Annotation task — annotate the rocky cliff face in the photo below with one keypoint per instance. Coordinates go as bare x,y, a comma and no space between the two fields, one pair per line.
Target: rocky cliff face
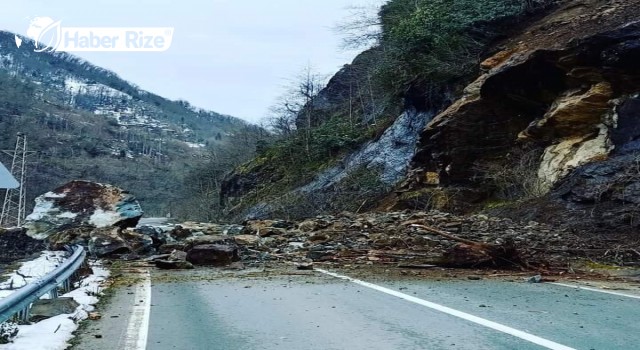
563,93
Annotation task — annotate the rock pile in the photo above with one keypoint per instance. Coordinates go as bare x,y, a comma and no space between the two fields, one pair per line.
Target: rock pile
385,238
393,238
406,239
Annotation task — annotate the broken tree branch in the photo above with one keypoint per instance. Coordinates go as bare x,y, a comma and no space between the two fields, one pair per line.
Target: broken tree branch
447,235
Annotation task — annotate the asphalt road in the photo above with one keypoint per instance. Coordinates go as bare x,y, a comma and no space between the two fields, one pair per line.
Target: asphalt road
324,312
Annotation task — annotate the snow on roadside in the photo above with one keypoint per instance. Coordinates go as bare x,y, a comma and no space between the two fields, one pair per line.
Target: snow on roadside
54,333
30,271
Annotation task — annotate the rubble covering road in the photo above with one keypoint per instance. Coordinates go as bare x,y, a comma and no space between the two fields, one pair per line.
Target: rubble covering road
396,239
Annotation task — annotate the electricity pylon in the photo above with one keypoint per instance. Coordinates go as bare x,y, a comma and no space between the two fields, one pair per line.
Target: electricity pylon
14,205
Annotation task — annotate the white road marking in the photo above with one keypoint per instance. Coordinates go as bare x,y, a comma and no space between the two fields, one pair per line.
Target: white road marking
138,327
453,312
575,286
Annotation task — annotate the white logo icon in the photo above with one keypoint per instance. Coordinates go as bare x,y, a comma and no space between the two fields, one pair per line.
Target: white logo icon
49,35
46,33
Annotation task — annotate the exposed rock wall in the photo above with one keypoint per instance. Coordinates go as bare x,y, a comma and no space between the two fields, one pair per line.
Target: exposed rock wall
390,153
387,157
566,86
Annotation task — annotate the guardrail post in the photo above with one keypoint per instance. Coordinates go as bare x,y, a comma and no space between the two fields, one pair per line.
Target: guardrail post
23,315
66,285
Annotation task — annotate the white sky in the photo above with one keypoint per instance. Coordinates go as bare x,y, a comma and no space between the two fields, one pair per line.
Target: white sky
230,56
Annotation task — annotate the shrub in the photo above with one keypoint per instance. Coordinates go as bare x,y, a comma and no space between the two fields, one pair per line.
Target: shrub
428,42
8,331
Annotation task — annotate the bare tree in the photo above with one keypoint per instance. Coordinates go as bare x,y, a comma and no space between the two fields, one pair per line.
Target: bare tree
295,110
308,88
361,28
282,117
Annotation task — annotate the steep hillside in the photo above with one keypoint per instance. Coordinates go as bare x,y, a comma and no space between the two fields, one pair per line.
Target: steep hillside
85,122
530,110
356,137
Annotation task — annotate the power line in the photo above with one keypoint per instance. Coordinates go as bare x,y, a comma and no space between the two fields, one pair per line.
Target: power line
14,205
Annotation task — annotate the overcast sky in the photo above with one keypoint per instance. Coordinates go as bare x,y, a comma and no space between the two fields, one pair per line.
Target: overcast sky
230,56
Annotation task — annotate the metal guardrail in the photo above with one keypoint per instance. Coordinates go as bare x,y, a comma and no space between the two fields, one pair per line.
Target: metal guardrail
19,302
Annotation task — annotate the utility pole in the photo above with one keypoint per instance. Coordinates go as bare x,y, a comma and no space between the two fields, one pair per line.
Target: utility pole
13,207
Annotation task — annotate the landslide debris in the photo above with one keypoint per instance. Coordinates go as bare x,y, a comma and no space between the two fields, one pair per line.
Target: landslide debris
404,239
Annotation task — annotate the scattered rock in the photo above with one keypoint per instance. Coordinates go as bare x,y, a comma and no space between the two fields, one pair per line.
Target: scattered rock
213,255
247,240
94,316
158,235
42,309
180,233
209,239
177,255
304,266
169,248
535,279
158,257
238,265
308,226
173,265
267,228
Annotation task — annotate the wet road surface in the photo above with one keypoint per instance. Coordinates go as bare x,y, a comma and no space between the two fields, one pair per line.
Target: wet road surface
322,312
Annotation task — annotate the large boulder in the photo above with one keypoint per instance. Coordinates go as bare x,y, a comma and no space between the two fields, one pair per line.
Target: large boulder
173,265
108,242
82,204
213,254
209,239
113,241
177,260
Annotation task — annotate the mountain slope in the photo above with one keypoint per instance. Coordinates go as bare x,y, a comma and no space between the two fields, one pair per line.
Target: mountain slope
85,122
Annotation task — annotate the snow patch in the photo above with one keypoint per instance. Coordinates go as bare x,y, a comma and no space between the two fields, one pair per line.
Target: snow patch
196,145
100,218
55,195
67,215
41,209
30,271
77,87
54,333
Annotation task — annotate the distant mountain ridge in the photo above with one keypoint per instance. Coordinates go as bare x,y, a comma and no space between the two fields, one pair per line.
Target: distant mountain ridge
86,122
81,84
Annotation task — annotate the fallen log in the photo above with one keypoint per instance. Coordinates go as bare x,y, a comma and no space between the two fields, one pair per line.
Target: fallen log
470,253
